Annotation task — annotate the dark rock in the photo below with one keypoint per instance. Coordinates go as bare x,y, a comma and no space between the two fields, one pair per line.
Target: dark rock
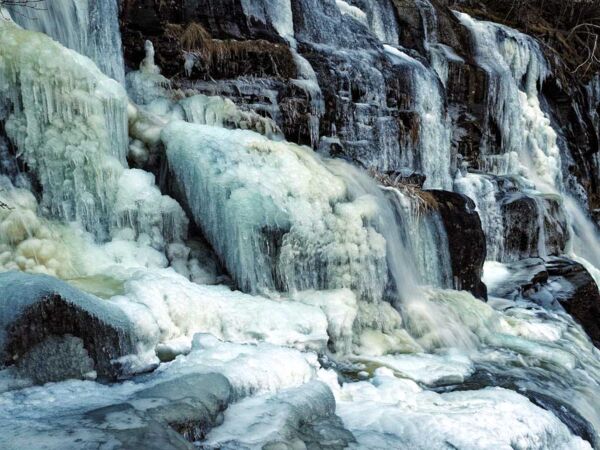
56,359
581,298
525,278
466,240
528,220
38,309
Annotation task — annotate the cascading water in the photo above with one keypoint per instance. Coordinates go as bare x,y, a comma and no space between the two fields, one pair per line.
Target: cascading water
431,153
347,333
424,237
529,147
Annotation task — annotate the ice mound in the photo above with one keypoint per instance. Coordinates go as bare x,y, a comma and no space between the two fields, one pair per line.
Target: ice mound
393,413
293,418
167,309
278,218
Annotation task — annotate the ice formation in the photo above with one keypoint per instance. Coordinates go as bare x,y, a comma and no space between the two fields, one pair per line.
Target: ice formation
393,413
518,67
89,27
168,310
431,154
424,236
70,123
277,216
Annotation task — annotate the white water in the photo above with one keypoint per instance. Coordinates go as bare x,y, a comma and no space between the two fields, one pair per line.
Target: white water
431,154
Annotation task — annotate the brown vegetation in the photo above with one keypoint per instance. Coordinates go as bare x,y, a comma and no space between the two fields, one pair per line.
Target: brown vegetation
232,55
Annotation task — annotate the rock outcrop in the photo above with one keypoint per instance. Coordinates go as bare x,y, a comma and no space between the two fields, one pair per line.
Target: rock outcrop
466,240
556,283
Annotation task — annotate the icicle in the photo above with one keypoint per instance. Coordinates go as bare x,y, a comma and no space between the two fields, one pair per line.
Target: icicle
90,27
70,123
431,155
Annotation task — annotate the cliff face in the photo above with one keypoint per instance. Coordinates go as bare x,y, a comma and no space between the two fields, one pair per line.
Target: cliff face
403,87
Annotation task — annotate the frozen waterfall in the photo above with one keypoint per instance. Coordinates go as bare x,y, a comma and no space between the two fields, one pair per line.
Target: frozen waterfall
176,272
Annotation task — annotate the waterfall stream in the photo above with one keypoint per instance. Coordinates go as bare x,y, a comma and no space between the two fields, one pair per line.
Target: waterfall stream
153,236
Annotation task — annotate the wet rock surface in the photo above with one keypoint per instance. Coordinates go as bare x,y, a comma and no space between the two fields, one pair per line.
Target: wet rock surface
582,300
533,227
466,240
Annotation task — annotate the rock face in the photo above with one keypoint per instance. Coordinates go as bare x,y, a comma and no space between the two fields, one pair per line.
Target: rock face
466,239
41,315
556,282
533,227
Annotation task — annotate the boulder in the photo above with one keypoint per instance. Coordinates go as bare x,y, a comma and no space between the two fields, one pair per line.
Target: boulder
169,415
191,404
555,283
581,297
296,418
41,315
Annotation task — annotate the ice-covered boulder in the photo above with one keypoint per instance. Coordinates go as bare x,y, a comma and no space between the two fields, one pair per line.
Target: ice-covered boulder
302,417
168,415
190,404
45,323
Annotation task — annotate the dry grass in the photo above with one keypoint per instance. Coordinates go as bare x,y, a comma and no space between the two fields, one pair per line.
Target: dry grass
426,200
216,54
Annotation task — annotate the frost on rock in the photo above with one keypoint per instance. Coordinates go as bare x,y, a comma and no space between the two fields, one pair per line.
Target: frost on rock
69,121
431,153
161,104
277,217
